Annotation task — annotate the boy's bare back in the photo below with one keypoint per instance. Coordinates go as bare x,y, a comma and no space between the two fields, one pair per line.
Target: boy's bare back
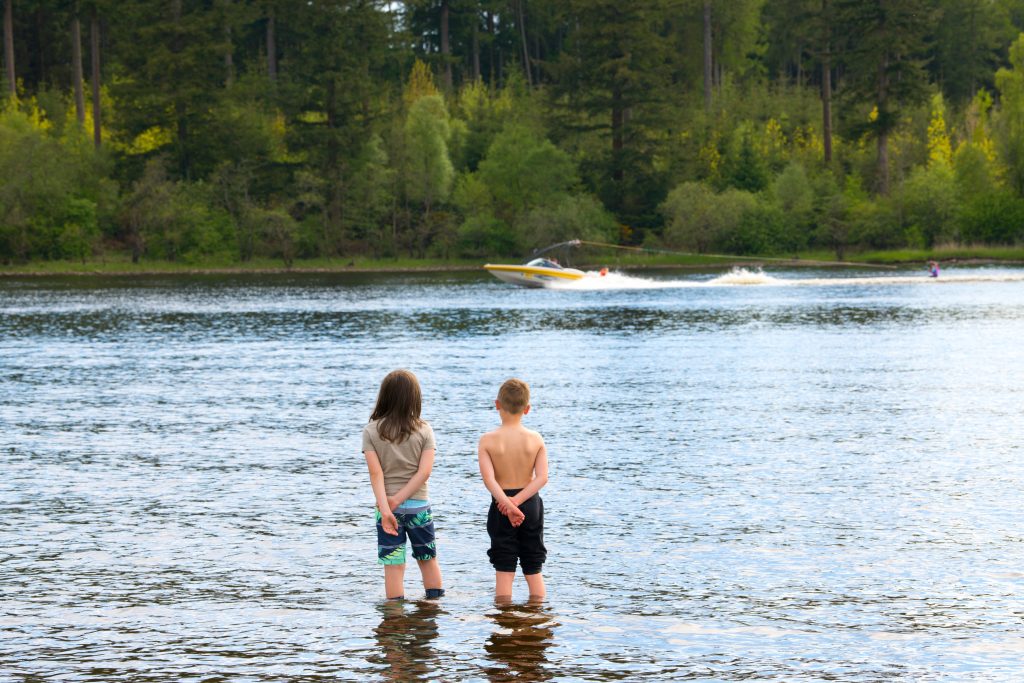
513,451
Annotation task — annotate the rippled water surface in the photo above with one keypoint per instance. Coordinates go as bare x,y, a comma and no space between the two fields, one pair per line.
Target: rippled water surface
807,475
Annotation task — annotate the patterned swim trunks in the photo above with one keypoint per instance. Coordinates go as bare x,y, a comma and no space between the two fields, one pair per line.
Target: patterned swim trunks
416,522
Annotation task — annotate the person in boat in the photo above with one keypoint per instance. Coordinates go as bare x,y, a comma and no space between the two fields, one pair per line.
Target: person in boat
933,268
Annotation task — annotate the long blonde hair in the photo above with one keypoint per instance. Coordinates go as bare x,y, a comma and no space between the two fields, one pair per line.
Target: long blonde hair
398,406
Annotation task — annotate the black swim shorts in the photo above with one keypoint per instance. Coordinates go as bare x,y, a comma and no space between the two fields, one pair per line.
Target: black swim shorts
524,543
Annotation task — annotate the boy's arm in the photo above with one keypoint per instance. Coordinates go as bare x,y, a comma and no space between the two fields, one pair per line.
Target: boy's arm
505,505
540,477
417,480
387,520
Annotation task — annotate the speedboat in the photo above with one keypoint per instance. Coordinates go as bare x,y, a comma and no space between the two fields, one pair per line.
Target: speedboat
540,272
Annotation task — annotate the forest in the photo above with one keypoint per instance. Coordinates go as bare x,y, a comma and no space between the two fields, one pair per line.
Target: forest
232,130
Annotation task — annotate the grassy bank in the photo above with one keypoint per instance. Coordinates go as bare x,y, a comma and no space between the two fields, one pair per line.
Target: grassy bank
122,265
118,266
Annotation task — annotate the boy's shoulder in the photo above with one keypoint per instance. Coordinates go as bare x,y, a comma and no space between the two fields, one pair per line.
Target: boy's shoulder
489,436
514,434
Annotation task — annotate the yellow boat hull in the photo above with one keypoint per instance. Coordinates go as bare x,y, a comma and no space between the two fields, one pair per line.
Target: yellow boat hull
533,276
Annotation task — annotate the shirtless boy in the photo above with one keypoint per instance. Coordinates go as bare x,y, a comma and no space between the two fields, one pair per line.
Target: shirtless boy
514,466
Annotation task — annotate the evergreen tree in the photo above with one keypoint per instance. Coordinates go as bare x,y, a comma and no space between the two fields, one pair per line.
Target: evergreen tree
884,56
613,78
970,43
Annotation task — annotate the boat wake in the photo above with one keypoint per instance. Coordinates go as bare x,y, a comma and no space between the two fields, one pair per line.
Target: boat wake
742,277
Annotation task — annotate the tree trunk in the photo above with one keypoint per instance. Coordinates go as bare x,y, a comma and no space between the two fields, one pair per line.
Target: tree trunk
536,57
707,55
882,132
526,50
229,58
973,32
76,69
94,55
490,47
617,136
12,84
181,122
271,45
476,47
446,47
826,81
332,218
826,104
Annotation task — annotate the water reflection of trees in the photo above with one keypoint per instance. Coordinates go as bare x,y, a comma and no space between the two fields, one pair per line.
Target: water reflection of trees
519,643
405,638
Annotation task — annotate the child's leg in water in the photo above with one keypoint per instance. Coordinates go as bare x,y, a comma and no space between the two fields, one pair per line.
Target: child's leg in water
503,584
536,584
394,581
432,582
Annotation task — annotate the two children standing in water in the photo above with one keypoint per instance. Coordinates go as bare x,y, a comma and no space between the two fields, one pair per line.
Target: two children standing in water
399,448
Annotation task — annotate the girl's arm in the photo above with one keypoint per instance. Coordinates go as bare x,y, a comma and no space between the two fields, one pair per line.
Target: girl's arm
540,477
387,520
417,480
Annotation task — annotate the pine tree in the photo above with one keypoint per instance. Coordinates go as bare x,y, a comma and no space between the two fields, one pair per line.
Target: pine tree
614,78
884,54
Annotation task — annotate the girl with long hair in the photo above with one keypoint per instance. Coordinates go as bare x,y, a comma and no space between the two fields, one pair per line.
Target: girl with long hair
399,448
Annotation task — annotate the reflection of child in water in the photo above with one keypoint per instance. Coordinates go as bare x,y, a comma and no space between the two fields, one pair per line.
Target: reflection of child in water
406,640
933,268
518,645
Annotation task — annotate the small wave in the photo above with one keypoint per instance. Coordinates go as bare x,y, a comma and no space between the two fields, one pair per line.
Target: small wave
612,280
742,277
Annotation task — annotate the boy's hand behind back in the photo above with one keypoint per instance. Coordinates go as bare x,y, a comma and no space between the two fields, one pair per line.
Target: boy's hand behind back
514,514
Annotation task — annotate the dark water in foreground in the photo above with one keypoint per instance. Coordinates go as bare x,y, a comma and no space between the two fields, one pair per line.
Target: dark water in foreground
813,476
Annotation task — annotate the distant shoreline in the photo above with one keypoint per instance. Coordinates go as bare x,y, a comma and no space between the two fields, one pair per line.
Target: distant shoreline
121,270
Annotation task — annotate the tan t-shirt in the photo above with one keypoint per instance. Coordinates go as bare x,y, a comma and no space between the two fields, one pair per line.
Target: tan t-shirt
399,460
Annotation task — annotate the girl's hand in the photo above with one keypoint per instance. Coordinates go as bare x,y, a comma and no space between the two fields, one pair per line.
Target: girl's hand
388,522
393,503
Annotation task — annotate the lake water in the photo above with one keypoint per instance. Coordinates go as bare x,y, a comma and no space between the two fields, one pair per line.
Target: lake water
799,475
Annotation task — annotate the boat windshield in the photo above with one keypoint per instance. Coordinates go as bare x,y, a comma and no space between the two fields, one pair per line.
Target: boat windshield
543,263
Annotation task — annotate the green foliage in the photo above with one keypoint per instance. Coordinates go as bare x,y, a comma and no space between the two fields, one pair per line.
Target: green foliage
762,229
50,192
970,38
559,120
832,212
79,230
1009,123
876,224
370,194
524,195
930,206
698,218
793,195
996,218
974,173
429,172
482,234
523,170
885,45
744,168
175,220
570,217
